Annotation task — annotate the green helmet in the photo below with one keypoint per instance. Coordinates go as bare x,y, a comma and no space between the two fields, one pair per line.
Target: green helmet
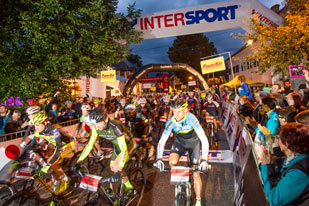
179,104
38,118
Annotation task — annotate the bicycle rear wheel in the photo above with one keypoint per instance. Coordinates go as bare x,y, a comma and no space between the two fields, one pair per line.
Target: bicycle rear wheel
23,198
138,180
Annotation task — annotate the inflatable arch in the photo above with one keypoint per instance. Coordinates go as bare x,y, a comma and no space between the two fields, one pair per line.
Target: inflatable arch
162,68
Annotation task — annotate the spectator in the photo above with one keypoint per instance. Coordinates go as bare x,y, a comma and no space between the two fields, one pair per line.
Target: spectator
14,123
306,95
4,116
287,87
78,106
245,108
276,88
258,113
244,90
294,99
292,186
303,117
286,115
264,134
66,112
53,114
49,104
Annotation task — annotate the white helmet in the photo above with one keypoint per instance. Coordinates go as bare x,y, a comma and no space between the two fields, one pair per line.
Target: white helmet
166,99
190,93
142,101
122,101
85,107
130,107
33,110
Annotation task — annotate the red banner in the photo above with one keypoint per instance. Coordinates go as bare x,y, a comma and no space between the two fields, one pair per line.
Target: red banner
166,83
149,79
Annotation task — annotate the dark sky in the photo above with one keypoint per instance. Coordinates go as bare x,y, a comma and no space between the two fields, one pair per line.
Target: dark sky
154,51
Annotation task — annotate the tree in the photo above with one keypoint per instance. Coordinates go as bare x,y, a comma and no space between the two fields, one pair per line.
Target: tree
44,43
135,59
287,44
189,49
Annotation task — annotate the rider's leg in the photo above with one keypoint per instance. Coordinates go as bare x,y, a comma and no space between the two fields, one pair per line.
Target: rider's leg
173,159
197,184
115,167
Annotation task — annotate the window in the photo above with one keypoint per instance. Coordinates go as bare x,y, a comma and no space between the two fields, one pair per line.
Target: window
237,68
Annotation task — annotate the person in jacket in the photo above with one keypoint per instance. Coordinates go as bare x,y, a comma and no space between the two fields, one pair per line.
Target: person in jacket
292,186
264,134
244,88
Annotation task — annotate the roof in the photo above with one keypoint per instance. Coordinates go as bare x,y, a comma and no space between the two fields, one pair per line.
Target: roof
125,66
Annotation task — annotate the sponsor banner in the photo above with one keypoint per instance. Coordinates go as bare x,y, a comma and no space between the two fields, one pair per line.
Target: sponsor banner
204,18
212,65
214,156
147,86
192,83
108,76
153,89
87,84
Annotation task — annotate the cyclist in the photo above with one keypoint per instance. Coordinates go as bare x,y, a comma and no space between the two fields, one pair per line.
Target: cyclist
51,147
139,126
189,133
119,114
164,114
112,131
212,109
192,100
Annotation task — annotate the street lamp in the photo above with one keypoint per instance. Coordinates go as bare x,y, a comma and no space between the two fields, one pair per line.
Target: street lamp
190,77
249,42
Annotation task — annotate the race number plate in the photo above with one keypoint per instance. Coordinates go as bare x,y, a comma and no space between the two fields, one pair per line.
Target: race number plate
163,119
210,119
24,173
90,182
123,120
180,174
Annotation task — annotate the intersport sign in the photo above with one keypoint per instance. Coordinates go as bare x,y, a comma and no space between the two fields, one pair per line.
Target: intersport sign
204,18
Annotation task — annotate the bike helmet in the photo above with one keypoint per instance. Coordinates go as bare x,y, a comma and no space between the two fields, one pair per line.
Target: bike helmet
166,99
33,110
122,101
130,110
96,116
203,95
190,93
179,104
96,101
142,101
38,118
86,107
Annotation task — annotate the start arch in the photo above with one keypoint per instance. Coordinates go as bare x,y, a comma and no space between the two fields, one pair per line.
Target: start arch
162,68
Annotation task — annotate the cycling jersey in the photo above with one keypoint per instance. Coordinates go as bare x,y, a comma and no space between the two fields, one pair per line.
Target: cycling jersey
138,125
53,137
211,108
191,101
114,133
146,111
184,130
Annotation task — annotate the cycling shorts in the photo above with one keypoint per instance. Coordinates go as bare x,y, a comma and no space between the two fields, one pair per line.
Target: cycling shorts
191,145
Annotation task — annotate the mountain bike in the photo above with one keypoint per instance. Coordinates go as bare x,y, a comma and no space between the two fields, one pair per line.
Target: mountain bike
210,131
184,185
106,196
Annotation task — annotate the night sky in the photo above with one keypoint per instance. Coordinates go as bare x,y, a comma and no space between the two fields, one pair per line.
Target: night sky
154,51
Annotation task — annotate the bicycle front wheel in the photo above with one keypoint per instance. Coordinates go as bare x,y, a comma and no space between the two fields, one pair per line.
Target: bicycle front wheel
138,180
23,198
181,199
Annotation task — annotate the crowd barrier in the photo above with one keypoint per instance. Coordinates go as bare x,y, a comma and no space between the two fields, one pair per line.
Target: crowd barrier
15,135
248,188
